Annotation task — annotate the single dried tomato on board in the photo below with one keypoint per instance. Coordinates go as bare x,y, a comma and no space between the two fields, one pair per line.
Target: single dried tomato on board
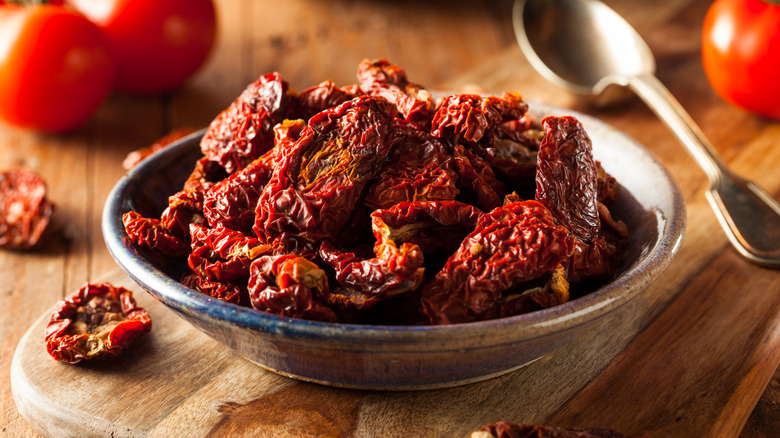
98,321
24,210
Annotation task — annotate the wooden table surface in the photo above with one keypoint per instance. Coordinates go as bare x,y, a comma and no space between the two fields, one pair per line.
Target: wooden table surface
442,43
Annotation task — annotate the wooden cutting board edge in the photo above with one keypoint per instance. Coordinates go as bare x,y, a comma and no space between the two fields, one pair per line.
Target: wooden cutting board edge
34,406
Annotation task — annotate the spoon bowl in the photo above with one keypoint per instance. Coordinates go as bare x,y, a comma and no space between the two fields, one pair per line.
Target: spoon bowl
572,45
586,47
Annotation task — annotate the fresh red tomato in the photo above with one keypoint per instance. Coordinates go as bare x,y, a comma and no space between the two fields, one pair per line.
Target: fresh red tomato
158,43
55,67
741,53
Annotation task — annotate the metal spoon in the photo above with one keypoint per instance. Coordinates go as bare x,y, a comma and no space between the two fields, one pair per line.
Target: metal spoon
586,47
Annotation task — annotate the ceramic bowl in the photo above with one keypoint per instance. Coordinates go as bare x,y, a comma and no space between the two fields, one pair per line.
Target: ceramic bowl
406,357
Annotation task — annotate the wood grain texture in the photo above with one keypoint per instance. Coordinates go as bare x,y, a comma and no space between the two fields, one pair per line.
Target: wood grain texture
448,44
177,381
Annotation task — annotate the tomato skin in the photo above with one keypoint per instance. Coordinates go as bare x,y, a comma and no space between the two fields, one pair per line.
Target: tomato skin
55,68
158,44
741,54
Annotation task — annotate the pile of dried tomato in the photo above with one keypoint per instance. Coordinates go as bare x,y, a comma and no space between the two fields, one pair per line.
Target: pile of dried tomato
374,203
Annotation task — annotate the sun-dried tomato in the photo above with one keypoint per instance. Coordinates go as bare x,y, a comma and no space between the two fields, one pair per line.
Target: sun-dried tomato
184,208
419,169
25,211
135,157
552,290
566,178
321,97
477,181
381,78
511,245
225,291
290,285
503,429
244,131
598,259
221,254
403,233
318,180
231,202
607,185
150,233
469,116
98,321
435,226
205,174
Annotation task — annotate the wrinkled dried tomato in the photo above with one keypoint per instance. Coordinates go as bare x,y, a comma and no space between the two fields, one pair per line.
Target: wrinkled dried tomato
511,245
205,174
150,233
607,185
321,97
381,78
566,178
477,181
221,254
184,208
25,211
419,169
317,182
231,202
503,429
98,321
435,226
225,291
244,131
289,285
470,117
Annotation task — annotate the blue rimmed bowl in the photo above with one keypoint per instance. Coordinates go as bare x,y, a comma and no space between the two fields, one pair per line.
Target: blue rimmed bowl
406,357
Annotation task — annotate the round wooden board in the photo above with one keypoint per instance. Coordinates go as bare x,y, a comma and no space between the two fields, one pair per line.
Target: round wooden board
176,381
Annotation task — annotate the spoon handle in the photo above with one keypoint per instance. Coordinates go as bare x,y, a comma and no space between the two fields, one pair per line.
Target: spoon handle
749,215
669,110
